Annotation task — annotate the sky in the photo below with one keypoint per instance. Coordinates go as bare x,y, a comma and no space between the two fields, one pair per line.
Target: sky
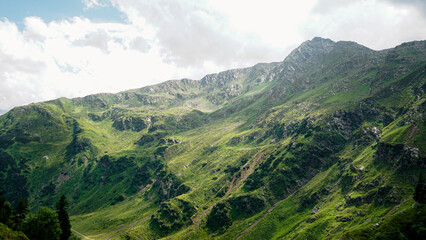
72,48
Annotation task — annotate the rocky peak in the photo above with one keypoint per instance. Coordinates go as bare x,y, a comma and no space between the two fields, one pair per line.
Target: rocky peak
316,46
300,59
221,79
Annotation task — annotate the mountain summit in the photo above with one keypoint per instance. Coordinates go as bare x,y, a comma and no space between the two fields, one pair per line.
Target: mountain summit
328,143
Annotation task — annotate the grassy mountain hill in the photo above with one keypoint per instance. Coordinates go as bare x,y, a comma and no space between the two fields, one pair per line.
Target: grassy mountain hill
329,143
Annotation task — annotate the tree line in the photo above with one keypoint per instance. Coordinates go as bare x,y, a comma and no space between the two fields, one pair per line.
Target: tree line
45,224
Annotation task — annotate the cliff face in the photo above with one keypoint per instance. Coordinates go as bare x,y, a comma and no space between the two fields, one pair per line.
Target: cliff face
330,138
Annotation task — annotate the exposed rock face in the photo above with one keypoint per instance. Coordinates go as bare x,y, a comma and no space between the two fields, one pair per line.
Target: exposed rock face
345,122
167,186
399,155
129,123
366,135
232,144
295,65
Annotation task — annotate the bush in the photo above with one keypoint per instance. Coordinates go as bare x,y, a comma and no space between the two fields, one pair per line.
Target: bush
243,206
7,233
44,225
219,218
172,215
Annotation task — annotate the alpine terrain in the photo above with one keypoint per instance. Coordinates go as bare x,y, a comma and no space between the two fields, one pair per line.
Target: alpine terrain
328,144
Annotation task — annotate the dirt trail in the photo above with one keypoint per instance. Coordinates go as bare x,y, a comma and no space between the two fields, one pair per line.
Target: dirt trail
233,185
130,226
261,218
85,237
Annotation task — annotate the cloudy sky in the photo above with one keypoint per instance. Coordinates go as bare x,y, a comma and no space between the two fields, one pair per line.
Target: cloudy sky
70,48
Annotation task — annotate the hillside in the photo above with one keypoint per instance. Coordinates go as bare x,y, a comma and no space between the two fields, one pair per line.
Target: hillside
329,143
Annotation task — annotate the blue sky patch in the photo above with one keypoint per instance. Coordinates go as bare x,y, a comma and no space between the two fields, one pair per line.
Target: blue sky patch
54,10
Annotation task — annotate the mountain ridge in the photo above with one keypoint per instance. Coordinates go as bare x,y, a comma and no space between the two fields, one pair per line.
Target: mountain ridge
293,56
330,138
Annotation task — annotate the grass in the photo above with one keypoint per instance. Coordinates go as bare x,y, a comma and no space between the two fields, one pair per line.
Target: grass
114,219
212,138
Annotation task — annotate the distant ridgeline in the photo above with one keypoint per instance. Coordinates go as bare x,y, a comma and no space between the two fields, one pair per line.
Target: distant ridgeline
329,143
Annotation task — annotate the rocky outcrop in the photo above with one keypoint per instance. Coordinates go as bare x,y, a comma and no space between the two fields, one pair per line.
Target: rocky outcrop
398,155
130,123
345,122
167,186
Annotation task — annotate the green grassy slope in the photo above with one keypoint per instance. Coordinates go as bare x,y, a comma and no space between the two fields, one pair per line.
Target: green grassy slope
328,143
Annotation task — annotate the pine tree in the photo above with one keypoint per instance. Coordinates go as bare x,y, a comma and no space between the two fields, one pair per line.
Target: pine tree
420,193
64,221
20,213
5,210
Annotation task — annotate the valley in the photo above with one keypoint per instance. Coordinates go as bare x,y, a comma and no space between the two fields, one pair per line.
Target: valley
327,144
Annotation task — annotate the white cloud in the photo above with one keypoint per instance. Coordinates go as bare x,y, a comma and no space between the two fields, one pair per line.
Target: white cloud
276,22
169,39
419,5
74,58
378,24
94,3
190,33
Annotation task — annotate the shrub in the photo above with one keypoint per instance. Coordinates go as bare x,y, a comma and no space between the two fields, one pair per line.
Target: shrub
219,218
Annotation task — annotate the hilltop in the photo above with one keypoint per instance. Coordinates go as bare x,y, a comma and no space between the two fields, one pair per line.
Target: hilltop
328,143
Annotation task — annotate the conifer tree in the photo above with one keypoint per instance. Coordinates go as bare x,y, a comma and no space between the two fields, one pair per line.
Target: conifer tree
420,193
64,221
5,210
20,213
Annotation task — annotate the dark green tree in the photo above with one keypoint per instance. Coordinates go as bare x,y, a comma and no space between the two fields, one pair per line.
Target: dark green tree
20,213
219,218
44,225
420,193
64,220
5,210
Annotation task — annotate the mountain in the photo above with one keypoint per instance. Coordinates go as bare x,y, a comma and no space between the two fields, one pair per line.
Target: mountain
329,143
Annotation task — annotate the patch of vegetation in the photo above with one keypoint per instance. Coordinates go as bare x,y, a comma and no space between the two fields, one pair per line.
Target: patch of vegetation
172,215
219,219
44,224
328,145
409,224
245,205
